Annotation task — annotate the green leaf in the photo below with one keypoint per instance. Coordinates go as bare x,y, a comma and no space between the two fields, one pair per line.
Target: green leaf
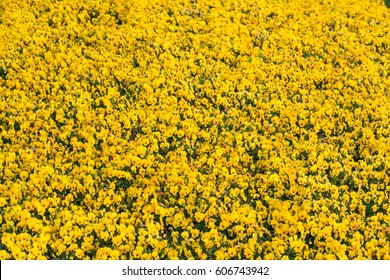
387,3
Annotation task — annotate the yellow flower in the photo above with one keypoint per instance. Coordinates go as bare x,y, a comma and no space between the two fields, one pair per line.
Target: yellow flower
173,255
4,255
248,252
199,216
269,256
221,254
3,201
274,178
141,150
232,252
79,254
23,175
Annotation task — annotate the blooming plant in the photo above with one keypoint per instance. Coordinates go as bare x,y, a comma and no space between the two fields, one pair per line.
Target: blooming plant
183,129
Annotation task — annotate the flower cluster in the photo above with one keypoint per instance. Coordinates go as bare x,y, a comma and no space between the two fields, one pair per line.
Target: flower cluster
183,129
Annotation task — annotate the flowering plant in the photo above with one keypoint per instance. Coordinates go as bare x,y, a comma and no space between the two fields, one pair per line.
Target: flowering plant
194,129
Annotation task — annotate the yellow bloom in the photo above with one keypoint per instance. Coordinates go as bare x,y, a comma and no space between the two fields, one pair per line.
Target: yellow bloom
141,150
3,201
199,216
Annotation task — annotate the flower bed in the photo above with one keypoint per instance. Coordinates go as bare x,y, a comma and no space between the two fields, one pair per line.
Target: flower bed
194,129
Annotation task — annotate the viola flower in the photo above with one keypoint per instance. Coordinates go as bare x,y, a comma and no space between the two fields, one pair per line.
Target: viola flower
195,131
